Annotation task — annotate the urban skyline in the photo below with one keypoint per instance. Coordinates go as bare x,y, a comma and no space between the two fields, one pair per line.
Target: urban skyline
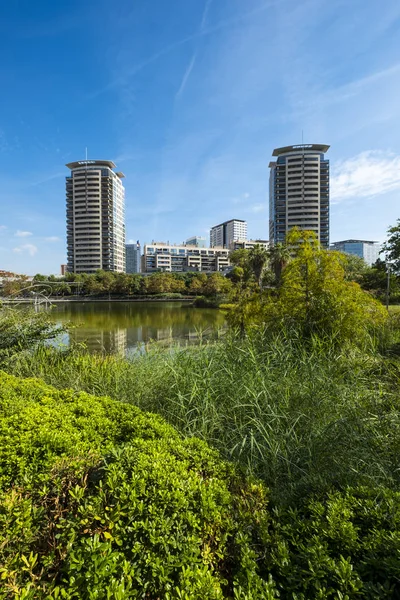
189,100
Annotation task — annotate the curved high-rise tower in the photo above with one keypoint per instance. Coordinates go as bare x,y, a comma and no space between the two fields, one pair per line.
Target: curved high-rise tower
95,217
299,191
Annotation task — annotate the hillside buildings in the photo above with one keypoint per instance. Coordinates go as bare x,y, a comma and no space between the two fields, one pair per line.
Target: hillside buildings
95,217
299,191
133,258
368,250
226,233
160,256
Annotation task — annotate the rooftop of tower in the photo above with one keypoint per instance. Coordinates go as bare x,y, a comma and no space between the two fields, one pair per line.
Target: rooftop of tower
301,147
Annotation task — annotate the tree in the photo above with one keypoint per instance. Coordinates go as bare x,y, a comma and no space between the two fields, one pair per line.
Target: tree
391,247
198,283
279,256
314,297
355,267
217,284
258,258
240,258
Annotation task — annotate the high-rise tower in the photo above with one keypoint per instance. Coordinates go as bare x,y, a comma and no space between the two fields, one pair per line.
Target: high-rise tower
299,192
95,217
224,234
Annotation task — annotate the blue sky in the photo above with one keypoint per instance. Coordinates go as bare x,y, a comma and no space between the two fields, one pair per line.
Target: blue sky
189,98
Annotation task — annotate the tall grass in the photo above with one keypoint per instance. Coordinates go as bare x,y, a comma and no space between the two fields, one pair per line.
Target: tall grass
304,418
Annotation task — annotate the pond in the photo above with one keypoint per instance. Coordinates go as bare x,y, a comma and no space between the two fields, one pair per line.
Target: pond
123,327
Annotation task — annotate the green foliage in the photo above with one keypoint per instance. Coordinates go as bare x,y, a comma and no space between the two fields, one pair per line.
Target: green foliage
106,283
391,247
258,259
303,417
109,502
354,267
23,329
99,500
314,297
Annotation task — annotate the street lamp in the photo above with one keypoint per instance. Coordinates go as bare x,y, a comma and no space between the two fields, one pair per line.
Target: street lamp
388,265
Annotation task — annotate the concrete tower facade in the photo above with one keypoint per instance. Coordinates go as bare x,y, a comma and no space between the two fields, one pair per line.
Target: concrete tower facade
299,192
95,217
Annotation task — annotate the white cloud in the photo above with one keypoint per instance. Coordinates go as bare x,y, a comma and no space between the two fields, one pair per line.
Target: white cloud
52,238
370,173
256,208
2,227
30,248
23,233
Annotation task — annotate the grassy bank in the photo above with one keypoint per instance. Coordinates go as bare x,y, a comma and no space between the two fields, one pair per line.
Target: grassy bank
302,417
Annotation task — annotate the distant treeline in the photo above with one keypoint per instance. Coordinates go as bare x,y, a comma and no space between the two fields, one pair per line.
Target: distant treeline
104,283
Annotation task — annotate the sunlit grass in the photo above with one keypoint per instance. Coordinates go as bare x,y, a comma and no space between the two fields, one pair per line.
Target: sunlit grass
301,417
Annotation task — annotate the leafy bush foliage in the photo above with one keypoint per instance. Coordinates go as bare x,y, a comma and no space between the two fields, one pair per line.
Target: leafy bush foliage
313,296
99,500
23,329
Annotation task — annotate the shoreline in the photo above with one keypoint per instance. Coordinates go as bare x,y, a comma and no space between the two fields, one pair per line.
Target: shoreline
87,299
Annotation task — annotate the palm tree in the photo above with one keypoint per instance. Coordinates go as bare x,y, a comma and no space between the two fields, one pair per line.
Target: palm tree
258,258
280,256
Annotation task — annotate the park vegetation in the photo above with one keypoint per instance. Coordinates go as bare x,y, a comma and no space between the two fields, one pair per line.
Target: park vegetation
261,466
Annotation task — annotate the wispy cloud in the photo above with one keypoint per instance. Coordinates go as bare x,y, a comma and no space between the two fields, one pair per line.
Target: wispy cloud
52,238
2,227
20,233
48,178
31,249
205,14
202,32
186,76
370,173
256,208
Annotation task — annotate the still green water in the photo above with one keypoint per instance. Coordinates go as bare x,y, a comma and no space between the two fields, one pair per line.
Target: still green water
123,327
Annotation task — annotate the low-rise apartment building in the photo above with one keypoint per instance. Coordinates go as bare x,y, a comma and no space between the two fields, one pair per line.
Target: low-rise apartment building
160,256
248,244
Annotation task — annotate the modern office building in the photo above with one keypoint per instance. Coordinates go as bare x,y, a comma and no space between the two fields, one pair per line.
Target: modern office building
196,240
299,191
224,234
248,244
368,250
95,217
133,259
160,256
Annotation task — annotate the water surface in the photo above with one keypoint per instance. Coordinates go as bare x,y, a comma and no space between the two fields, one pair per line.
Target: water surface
123,327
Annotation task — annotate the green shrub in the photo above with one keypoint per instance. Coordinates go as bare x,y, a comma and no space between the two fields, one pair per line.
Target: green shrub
99,500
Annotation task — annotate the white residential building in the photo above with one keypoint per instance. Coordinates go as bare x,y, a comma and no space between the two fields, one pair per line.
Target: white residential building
248,244
224,234
95,217
299,192
160,256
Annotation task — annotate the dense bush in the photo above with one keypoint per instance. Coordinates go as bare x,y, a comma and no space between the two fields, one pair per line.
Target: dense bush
99,500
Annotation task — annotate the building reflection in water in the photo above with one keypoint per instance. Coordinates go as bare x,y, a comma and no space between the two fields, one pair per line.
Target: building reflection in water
100,341
127,327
